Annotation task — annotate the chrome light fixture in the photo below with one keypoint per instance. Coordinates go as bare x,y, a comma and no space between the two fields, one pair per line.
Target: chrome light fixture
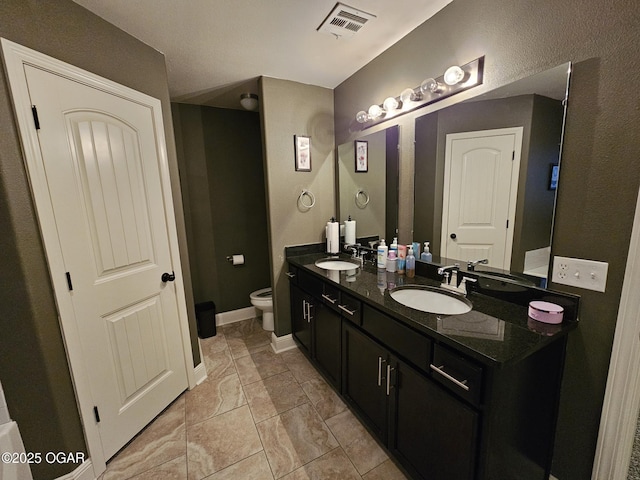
455,80
249,101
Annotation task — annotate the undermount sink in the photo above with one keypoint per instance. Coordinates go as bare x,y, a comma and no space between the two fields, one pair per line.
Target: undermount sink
431,300
337,264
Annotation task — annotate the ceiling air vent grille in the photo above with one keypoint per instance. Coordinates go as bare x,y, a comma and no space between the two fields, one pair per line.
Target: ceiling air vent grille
345,21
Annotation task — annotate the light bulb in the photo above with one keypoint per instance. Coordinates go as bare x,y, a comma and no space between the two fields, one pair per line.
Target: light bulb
362,116
249,101
409,95
429,86
453,75
390,104
375,111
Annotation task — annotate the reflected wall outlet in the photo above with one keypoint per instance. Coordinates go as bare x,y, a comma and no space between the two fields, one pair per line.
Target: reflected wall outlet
580,273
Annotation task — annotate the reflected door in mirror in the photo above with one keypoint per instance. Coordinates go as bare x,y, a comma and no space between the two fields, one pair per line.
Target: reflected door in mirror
480,190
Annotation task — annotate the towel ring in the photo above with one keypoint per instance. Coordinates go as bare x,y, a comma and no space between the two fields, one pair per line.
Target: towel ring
309,194
364,195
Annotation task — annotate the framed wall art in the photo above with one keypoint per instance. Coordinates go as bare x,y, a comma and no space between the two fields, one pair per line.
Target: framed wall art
303,153
362,155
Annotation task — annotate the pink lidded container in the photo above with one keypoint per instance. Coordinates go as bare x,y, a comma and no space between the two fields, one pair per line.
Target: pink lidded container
545,312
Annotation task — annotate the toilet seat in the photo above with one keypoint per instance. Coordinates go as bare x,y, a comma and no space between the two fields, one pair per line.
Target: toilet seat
265,292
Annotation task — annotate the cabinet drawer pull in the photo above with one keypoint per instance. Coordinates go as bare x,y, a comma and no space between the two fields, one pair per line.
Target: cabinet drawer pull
290,275
389,370
380,377
329,299
309,317
346,310
462,384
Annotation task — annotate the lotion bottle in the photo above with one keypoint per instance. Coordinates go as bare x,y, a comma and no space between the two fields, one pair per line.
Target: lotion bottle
426,255
382,254
392,261
410,266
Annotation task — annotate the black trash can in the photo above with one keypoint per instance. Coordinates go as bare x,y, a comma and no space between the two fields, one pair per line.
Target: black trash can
206,318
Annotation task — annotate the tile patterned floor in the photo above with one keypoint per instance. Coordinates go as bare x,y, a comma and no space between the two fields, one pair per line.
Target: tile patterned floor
258,416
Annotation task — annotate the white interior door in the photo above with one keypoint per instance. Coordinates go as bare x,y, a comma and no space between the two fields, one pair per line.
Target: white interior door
103,175
479,197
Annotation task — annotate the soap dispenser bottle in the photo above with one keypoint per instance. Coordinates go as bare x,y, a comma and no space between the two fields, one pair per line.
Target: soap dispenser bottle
394,246
426,255
382,254
410,266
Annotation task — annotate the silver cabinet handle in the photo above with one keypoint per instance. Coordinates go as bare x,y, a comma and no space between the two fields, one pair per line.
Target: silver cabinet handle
309,317
290,275
461,383
380,362
346,310
389,370
329,299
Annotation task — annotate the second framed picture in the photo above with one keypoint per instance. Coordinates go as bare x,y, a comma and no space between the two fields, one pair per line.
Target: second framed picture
303,153
362,155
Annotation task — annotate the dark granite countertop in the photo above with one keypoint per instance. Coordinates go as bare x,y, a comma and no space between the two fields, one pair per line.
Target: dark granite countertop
495,332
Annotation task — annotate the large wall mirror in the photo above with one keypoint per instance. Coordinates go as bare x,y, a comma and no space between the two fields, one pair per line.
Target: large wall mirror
486,175
368,183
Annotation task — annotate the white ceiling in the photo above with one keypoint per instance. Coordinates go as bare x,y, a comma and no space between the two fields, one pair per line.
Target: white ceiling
216,49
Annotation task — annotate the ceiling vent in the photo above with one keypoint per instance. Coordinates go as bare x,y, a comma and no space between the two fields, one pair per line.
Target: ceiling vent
345,21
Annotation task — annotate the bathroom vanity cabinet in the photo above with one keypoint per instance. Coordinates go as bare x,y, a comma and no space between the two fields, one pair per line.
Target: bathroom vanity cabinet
465,397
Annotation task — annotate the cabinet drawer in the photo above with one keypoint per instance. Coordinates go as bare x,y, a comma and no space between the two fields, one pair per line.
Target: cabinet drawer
350,308
458,373
310,284
403,340
331,296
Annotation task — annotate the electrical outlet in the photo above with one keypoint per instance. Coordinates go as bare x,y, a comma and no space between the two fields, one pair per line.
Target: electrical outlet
580,273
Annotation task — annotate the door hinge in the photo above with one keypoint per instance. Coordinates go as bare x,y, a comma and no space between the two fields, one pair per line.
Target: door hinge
69,284
507,223
96,414
513,155
36,121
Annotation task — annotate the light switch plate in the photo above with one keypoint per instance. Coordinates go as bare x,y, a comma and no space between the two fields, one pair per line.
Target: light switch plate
580,273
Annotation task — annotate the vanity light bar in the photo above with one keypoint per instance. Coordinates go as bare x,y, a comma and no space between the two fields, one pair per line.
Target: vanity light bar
455,80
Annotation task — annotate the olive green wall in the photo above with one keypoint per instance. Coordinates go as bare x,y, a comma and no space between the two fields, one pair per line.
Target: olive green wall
33,365
288,109
599,177
221,166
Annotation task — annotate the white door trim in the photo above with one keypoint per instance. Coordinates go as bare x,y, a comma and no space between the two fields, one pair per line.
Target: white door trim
622,395
15,57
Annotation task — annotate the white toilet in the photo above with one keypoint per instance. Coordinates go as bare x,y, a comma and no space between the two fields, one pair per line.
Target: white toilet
262,300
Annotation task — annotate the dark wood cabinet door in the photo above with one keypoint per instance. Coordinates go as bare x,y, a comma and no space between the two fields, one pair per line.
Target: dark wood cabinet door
301,310
327,334
432,433
364,378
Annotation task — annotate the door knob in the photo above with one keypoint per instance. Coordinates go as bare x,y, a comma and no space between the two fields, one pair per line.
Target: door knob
453,236
168,277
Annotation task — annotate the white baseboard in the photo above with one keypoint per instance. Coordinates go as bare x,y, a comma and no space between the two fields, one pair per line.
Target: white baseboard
283,343
234,316
83,472
200,373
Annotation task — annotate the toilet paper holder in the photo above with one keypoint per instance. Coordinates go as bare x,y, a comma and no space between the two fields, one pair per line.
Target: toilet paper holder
235,259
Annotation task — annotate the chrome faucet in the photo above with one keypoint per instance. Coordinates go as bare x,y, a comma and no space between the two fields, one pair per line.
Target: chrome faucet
472,264
446,280
452,283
